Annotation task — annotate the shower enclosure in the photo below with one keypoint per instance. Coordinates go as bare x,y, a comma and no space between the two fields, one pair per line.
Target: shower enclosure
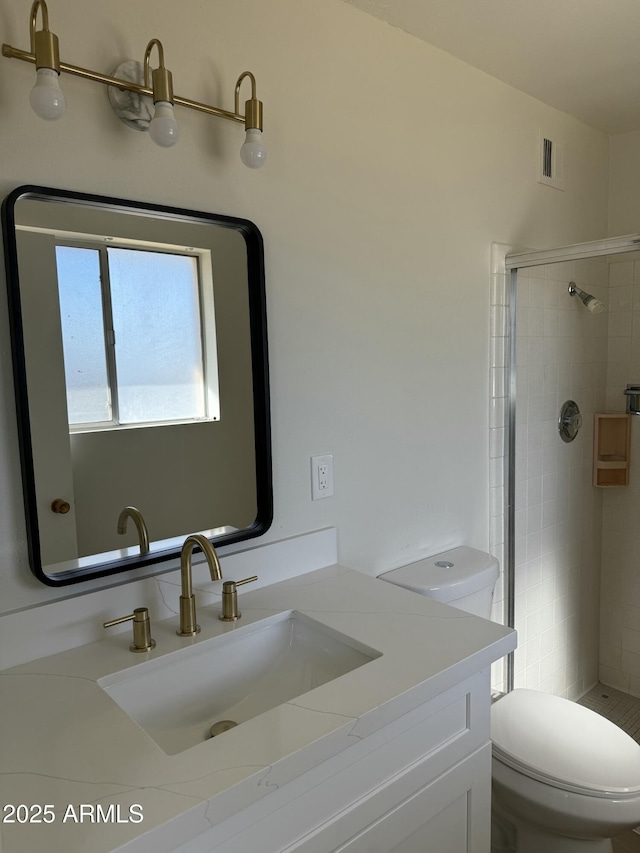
567,548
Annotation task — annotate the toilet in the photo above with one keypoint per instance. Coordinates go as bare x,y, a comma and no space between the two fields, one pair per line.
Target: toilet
565,779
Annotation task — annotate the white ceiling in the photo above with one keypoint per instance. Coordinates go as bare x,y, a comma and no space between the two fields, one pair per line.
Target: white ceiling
581,56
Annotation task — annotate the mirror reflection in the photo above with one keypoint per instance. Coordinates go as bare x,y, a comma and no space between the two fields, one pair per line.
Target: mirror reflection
139,339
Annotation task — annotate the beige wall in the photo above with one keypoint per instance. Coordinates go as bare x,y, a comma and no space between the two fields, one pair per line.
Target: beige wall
392,167
624,184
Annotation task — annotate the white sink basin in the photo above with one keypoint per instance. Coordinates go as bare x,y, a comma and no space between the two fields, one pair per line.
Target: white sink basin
177,698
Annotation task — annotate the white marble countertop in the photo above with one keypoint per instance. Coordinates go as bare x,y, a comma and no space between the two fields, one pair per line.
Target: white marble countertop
64,742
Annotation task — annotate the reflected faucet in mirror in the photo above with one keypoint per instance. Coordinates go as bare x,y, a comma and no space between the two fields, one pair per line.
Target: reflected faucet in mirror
136,516
188,625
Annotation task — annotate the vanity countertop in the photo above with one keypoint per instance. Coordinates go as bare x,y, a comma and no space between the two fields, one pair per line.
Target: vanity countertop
64,743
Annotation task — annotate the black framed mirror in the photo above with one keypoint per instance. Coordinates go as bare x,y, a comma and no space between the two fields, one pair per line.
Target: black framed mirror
140,358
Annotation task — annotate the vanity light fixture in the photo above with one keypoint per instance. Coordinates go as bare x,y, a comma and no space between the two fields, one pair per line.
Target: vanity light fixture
163,128
48,101
46,98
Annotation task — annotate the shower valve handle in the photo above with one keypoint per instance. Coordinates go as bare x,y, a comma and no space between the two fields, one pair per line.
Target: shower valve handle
570,421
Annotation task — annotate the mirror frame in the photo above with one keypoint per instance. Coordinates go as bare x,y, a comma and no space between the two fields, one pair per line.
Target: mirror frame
259,362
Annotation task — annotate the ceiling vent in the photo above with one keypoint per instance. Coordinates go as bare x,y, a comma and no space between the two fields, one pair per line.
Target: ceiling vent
550,162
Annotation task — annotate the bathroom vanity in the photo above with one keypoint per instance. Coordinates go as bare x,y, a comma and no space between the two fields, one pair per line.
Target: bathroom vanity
391,755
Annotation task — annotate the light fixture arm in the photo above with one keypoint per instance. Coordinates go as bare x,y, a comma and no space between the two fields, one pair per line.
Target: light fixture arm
162,80
44,43
38,4
253,107
44,46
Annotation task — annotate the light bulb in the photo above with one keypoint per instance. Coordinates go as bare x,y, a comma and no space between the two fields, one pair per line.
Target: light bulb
46,98
253,153
164,129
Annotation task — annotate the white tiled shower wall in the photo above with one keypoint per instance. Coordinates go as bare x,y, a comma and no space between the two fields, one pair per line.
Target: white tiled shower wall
620,592
561,353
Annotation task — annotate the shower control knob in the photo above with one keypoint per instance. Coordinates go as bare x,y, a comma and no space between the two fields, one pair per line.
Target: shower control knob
570,421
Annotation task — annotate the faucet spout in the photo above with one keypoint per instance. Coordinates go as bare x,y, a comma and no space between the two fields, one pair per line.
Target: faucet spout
141,527
188,624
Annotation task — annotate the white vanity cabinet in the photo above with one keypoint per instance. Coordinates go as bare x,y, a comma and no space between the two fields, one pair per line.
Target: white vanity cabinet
448,815
421,783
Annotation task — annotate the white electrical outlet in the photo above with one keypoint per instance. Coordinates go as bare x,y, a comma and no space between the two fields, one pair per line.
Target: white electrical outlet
321,477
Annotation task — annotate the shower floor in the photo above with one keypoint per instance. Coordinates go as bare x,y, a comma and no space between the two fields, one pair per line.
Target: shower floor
624,711
620,708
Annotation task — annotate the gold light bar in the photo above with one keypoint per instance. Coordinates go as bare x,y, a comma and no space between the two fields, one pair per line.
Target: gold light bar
45,53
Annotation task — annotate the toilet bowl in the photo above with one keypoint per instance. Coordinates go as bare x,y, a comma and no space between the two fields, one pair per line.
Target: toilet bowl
565,779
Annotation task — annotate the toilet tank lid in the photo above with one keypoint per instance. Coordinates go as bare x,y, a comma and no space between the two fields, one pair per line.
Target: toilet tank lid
564,744
472,570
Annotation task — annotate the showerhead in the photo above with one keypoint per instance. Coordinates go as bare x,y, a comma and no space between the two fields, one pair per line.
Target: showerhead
594,305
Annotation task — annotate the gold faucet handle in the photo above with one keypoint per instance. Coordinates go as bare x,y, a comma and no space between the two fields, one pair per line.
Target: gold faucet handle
246,580
142,641
230,610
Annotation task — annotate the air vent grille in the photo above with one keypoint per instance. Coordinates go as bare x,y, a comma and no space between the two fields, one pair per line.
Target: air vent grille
547,146
550,162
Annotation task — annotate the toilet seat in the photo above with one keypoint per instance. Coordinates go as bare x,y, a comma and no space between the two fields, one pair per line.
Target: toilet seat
565,745
562,784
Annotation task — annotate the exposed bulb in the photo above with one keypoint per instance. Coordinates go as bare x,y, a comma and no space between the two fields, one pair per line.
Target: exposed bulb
164,129
253,153
46,98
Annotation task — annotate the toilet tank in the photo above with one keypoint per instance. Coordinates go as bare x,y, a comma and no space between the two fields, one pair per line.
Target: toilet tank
462,577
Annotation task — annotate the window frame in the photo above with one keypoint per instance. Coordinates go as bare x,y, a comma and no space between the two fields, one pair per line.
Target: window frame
207,328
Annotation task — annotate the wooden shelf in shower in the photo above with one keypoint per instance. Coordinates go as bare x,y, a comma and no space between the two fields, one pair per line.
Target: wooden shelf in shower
611,445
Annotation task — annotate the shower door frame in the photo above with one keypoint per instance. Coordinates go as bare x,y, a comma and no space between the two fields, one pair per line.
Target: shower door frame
514,261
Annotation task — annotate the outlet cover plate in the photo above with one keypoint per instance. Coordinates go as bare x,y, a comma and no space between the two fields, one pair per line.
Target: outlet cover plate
321,476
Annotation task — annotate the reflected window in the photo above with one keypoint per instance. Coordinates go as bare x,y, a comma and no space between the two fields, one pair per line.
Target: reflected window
136,348
81,316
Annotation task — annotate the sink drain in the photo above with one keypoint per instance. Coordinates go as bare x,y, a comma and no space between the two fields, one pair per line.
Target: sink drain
221,726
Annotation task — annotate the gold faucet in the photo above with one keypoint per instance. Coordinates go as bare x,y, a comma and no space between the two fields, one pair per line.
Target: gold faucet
188,625
141,527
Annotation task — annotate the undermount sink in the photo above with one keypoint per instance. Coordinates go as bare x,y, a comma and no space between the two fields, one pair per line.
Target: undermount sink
231,678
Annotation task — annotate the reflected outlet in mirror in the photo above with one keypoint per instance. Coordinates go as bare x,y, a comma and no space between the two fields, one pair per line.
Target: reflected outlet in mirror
177,699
